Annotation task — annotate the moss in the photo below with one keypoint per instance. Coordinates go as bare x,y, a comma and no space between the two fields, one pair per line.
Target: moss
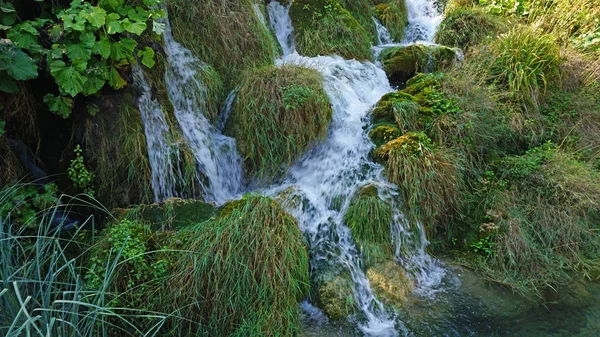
336,297
369,219
277,115
465,27
394,16
252,256
402,63
324,27
363,12
236,39
383,133
383,111
390,283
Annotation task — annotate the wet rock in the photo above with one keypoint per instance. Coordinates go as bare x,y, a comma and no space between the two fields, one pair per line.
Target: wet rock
336,297
390,283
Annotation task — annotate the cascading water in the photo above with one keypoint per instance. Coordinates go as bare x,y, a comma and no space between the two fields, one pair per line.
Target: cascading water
337,168
424,18
157,134
216,155
383,35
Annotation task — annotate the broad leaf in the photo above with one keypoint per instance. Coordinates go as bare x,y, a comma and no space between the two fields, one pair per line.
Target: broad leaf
147,56
115,80
123,49
102,47
8,14
113,25
7,84
87,39
78,52
97,17
69,80
158,28
21,67
60,105
135,27
93,85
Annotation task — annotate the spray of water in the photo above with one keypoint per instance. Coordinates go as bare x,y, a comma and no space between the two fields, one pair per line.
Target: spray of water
424,18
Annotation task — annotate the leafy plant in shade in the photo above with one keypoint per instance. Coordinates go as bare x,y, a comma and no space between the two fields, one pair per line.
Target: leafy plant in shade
83,47
78,173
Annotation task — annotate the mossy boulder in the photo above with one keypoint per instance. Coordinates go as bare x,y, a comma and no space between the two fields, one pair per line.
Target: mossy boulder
246,274
402,63
336,297
363,11
324,27
466,27
394,16
278,114
383,133
384,110
390,283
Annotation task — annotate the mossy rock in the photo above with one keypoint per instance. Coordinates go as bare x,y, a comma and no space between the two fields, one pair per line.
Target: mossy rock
411,142
172,214
466,27
402,63
336,297
394,16
324,27
390,283
278,114
383,111
383,133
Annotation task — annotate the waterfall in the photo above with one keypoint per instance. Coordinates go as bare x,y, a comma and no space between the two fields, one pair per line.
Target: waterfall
424,18
157,134
226,111
383,35
216,155
336,169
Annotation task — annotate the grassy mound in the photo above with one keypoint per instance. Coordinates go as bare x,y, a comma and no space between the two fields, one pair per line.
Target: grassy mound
324,27
277,115
369,219
402,63
248,270
525,61
465,27
225,34
394,16
363,12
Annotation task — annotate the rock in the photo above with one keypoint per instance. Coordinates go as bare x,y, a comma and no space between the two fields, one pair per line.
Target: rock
172,214
336,297
390,282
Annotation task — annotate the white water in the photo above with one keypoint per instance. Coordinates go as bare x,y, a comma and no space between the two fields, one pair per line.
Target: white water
157,134
226,111
216,155
383,35
424,18
336,169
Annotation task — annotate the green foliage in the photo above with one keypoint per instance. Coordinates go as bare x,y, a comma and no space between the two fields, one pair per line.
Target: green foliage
484,246
79,174
277,115
25,204
251,256
525,61
394,16
83,48
402,63
324,27
466,27
510,7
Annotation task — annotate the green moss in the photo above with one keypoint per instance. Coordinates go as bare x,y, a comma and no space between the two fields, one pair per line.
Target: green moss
402,63
383,133
394,16
277,115
336,297
223,33
383,111
324,27
363,12
465,27
369,219
252,256
390,283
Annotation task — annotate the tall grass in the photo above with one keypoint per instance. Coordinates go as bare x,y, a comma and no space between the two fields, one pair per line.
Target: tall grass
42,291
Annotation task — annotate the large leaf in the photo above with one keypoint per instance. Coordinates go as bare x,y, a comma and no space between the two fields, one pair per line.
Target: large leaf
61,106
21,66
93,85
78,52
102,47
96,17
88,39
113,25
135,27
8,14
147,56
115,80
69,80
7,84
123,49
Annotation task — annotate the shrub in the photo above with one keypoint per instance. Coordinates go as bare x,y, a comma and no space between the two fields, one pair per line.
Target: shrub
465,27
252,256
394,16
25,204
277,115
525,61
324,27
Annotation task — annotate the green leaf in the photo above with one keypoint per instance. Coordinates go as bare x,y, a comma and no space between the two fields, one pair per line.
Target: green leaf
123,49
97,17
158,28
60,105
135,27
7,83
78,52
93,85
115,80
69,80
102,47
23,39
147,56
88,39
21,66
92,109
113,25
8,14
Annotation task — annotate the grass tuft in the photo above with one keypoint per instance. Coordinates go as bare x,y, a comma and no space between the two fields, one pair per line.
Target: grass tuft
394,16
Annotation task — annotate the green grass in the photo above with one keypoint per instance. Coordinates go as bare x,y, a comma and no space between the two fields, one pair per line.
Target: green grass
324,27
526,62
394,16
278,114
465,27
246,272
402,63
